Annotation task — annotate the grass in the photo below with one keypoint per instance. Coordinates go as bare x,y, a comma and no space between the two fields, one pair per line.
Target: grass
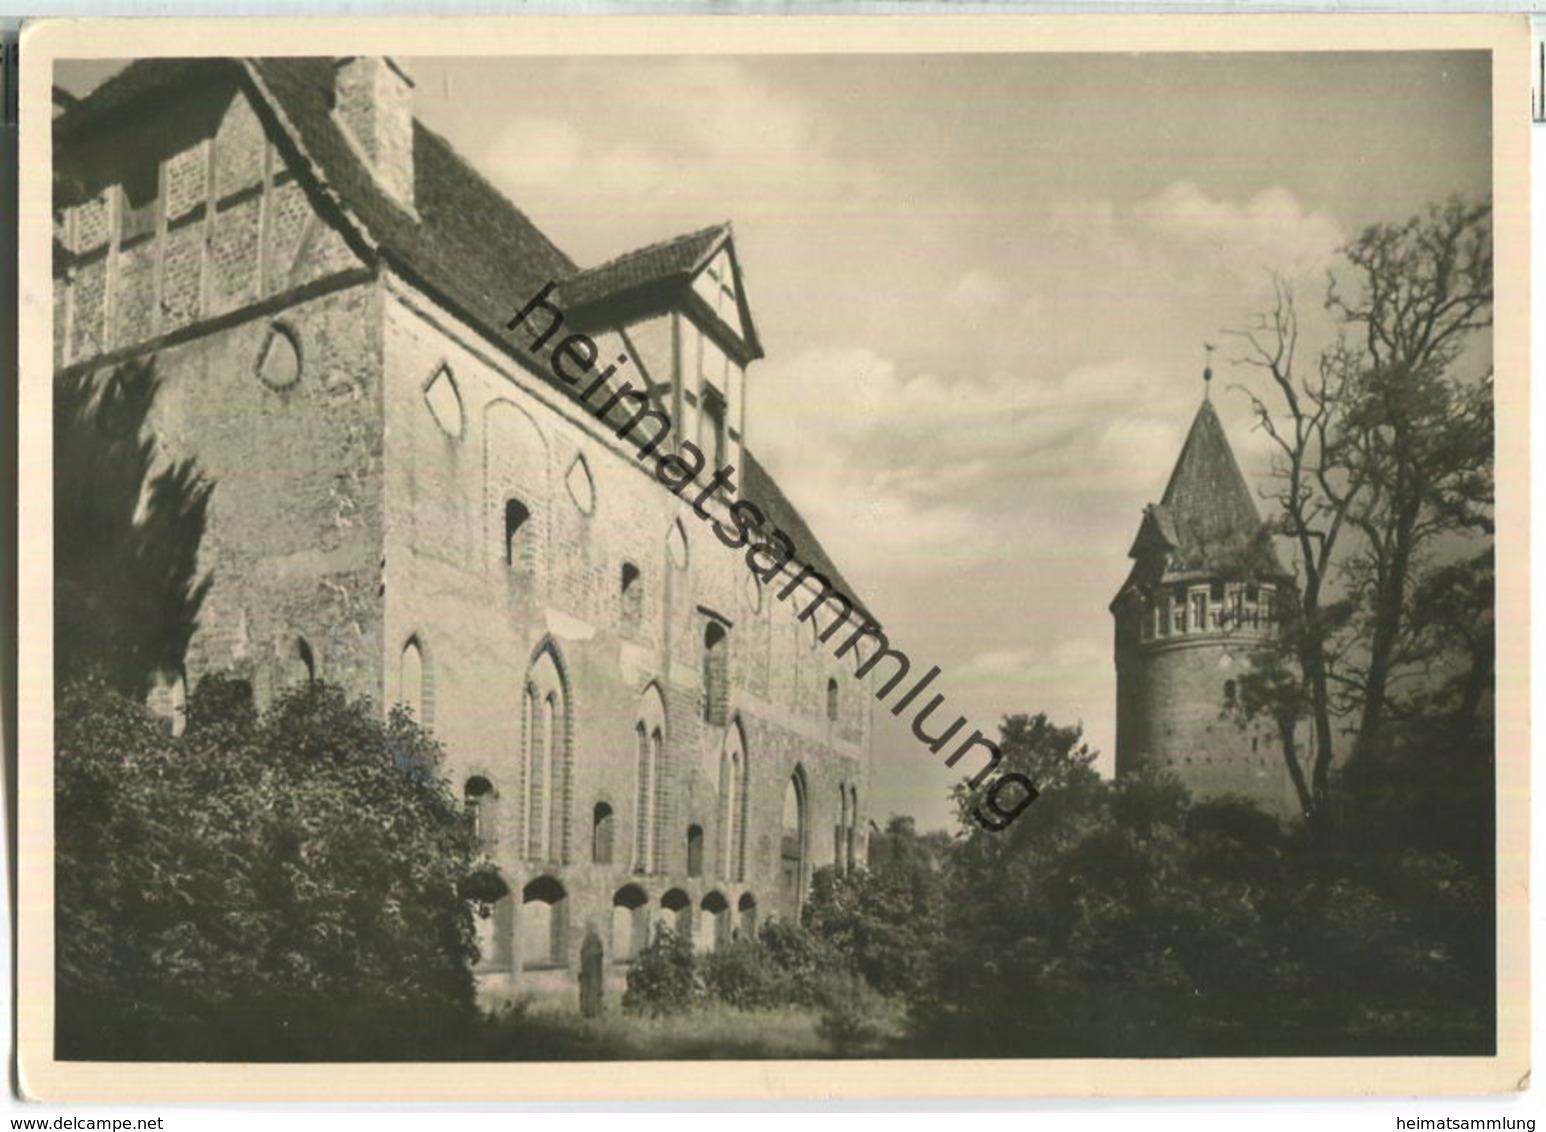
540,1031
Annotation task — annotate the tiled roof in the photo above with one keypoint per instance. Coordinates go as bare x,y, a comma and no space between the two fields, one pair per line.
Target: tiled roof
1207,522
760,488
468,244
670,261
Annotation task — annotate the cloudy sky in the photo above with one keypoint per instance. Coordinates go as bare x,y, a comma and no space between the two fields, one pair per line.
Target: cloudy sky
983,284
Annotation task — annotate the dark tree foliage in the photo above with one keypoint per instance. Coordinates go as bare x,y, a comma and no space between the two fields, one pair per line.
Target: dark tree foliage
274,888
1382,475
887,919
126,535
1130,920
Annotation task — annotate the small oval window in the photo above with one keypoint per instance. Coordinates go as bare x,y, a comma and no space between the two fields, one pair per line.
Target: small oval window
279,362
444,401
582,489
676,545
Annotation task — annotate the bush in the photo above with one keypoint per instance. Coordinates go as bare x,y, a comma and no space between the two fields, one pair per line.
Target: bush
852,1015
282,888
742,975
663,978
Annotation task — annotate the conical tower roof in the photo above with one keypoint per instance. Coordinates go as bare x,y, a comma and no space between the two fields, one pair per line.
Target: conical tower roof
1207,521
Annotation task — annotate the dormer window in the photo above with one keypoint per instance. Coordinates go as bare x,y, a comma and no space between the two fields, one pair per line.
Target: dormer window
711,427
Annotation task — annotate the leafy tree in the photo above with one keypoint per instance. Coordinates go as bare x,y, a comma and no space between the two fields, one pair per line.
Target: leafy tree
1131,920
1383,459
126,535
271,888
887,919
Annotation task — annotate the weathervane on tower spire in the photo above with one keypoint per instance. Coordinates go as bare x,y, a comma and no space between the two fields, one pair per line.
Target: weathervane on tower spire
1207,371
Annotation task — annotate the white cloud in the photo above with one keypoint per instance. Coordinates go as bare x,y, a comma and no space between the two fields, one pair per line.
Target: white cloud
977,291
700,138
1272,229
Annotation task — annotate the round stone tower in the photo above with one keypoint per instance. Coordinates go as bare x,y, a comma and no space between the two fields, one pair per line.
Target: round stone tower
1205,591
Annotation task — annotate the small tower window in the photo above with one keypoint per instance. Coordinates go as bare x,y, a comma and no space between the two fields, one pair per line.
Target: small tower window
1229,693
831,700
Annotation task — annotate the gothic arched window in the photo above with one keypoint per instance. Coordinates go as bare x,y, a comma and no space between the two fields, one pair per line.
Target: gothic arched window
548,770
649,755
601,830
734,777
413,683
517,544
792,842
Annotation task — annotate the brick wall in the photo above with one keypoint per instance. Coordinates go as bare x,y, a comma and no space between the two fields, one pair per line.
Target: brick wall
1171,707
190,216
485,620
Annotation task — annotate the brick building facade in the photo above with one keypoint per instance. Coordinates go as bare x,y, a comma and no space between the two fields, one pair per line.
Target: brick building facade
1206,590
409,504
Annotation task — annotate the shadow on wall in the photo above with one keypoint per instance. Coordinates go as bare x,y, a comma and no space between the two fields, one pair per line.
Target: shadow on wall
126,537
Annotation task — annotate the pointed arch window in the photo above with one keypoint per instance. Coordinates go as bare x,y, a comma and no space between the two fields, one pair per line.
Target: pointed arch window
631,597
414,683
733,789
716,671
518,541
643,849
547,763
792,844
601,833
649,756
